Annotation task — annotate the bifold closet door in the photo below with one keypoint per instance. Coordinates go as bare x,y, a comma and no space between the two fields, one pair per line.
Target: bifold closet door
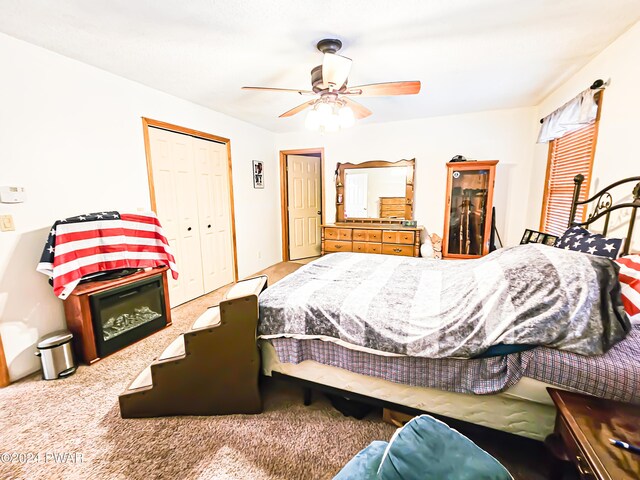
212,173
191,189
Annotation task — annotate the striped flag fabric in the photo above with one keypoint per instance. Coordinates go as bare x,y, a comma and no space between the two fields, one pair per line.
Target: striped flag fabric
630,283
97,242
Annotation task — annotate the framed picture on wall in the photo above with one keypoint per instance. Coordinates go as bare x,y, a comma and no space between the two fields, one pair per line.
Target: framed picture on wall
258,174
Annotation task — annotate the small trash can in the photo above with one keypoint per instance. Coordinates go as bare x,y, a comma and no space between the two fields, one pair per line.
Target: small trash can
56,355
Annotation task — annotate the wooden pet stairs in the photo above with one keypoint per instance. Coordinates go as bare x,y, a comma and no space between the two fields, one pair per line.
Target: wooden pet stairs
212,369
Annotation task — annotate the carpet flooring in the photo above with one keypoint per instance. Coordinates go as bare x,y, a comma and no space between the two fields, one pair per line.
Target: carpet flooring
71,428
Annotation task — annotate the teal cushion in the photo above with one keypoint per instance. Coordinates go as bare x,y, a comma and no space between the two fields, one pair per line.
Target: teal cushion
426,448
364,465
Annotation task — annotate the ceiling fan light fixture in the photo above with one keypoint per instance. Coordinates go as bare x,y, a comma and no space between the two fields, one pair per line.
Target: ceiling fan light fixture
329,117
332,124
312,122
324,110
347,119
335,70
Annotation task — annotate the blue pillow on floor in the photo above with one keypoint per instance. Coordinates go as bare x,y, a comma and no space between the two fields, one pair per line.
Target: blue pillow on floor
424,449
364,466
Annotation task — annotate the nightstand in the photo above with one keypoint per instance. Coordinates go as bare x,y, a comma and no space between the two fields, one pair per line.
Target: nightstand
584,425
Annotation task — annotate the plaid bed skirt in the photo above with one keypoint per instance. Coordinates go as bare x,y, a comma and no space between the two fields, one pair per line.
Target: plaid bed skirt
614,375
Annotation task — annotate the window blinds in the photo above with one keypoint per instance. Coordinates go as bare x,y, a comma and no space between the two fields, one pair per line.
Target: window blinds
569,155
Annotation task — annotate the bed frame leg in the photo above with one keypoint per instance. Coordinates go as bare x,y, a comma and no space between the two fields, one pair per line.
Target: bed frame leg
307,396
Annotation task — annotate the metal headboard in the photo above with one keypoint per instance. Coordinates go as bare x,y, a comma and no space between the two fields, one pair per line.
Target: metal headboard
603,206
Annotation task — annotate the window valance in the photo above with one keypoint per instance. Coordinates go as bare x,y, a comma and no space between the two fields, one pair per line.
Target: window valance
573,115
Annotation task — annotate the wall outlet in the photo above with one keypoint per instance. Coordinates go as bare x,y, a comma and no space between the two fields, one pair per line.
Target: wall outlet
6,223
259,254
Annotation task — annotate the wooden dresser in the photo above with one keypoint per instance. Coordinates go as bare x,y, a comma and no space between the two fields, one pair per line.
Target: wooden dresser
371,238
392,207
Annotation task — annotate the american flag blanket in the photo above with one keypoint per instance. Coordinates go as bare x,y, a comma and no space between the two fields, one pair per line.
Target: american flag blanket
526,295
97,242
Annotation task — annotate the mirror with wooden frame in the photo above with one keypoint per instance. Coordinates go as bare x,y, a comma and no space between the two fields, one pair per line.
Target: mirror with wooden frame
375,191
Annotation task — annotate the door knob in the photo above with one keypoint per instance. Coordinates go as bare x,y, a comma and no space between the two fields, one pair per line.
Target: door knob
319,212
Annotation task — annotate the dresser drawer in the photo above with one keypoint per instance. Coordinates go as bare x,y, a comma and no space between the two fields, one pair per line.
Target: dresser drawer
373,248
359,235
404,250
367,247
374,236
337,246
573,451
360,247
393,236
407,238
367,235
337,233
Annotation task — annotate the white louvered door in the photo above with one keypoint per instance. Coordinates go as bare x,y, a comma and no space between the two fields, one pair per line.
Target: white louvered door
193,205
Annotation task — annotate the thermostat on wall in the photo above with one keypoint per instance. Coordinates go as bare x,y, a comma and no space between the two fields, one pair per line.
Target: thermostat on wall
12,195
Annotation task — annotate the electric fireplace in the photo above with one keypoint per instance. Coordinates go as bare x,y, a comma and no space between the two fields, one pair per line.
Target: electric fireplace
106,316
125,314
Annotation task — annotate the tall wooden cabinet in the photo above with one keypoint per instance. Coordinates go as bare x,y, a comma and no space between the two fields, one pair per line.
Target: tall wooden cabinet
468,208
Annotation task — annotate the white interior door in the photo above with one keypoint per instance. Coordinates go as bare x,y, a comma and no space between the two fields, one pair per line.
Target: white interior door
194,207
304,202
214,212
355,203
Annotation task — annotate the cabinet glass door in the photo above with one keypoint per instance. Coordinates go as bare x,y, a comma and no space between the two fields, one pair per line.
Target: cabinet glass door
468,211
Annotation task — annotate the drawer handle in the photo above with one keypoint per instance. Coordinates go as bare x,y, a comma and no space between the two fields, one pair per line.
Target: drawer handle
338,246
397,250
583,471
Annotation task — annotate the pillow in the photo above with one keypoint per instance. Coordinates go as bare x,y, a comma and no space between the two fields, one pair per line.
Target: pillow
428,448
364,466
630,282
580,240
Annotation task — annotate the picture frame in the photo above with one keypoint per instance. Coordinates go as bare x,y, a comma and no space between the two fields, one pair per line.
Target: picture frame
525,237
533,236
550,240
258,173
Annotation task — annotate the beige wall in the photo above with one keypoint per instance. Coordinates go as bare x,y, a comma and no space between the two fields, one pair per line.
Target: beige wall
71,134
617,153
504,135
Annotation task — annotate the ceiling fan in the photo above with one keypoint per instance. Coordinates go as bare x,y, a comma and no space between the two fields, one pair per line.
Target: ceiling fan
333,105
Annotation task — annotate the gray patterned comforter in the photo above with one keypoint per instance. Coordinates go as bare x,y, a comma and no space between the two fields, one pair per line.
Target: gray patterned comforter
525,295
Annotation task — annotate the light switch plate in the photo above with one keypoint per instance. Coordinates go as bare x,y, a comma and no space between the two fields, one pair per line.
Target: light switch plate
6,223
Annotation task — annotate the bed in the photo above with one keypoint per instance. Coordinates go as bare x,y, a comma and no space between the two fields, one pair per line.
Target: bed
505,392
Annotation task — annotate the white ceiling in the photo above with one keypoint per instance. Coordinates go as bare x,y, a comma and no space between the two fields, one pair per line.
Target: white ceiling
470,55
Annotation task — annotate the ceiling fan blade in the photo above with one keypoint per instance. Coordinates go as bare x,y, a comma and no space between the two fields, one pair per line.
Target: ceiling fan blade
335,70
297,109
359,110
386,88
270,89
